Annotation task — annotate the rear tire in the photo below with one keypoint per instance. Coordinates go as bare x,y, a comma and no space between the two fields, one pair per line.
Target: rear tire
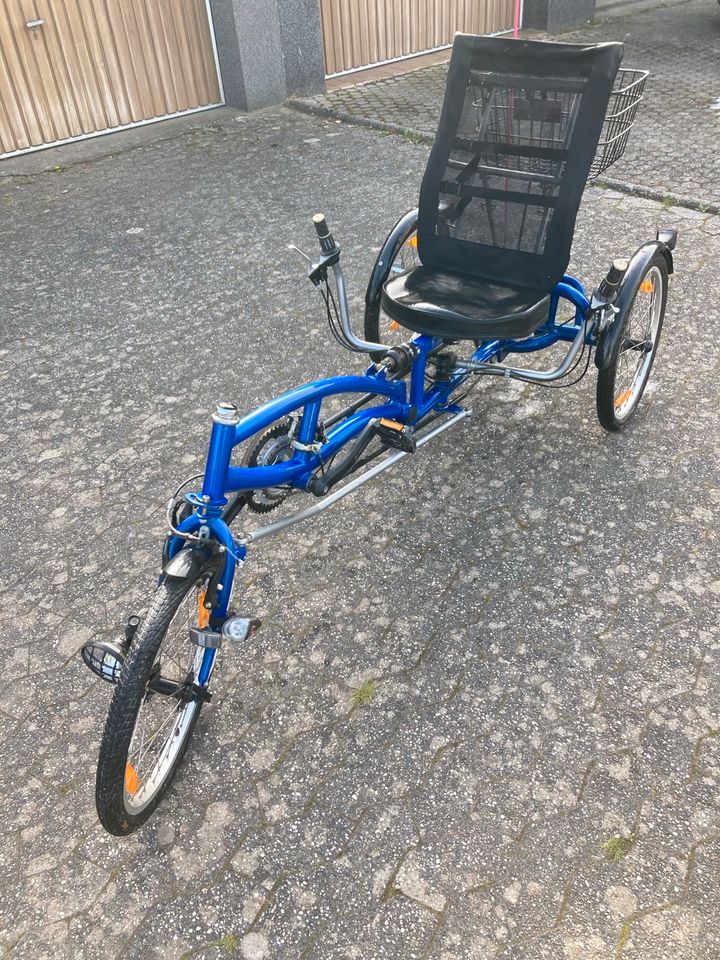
620,386
379,328
131,781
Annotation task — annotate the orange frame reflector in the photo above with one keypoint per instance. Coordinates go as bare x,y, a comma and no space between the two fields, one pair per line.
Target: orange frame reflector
203,613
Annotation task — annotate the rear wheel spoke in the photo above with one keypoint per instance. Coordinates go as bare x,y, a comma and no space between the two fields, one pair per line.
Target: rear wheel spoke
621,386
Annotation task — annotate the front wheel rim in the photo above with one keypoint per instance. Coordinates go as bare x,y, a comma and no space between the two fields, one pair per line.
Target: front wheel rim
156,744
638,344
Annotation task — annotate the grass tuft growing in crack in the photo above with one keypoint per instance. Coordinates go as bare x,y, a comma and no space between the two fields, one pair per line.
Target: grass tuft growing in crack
363,695
229,942
618,847
624,935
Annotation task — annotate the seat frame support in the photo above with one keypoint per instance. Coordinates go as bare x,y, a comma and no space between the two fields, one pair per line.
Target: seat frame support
579,333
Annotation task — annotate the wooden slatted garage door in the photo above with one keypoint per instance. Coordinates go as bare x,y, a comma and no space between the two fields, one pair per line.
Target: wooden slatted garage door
74,68
359,33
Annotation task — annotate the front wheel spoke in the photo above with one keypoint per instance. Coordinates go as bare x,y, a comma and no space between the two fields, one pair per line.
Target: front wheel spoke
142,738
138,757
626,374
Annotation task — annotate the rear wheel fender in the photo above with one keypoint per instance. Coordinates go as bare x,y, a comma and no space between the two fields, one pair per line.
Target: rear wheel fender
609,340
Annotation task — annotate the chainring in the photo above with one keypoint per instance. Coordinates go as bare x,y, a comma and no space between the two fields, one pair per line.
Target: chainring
272,446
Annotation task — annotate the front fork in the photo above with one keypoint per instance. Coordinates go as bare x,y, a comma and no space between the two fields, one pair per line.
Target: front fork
206,524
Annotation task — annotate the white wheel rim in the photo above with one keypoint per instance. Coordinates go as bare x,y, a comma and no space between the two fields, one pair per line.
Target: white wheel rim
641,326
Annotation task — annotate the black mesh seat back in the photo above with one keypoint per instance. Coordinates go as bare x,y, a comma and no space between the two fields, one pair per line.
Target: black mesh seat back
518,131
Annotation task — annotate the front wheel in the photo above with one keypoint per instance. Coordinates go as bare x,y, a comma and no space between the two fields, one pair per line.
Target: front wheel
621,384
154,709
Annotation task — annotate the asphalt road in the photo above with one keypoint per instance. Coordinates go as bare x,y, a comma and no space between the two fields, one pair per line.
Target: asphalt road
537,600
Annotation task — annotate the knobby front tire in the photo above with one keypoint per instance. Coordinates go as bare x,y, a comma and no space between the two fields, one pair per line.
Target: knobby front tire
147,733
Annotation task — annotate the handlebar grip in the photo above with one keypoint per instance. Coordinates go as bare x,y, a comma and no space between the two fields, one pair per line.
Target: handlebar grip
617,271
609,286
321,226
327,241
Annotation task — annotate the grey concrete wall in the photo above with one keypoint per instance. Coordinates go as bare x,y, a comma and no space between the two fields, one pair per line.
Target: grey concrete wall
268,50
301,41
556,14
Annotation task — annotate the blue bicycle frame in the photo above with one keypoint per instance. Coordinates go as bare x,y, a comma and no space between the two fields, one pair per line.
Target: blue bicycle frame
406,402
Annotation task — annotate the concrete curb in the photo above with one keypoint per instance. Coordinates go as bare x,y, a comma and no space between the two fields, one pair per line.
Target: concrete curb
419,136
649,193
315,109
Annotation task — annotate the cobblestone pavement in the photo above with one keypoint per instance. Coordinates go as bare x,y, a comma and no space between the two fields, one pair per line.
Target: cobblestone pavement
673,147
536,600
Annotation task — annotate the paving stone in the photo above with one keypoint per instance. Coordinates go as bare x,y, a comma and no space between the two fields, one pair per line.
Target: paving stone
537,601
672,146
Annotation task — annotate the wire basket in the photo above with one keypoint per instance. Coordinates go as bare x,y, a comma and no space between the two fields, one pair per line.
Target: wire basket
622,107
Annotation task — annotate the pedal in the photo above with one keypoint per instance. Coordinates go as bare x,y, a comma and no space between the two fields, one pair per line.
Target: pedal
395,435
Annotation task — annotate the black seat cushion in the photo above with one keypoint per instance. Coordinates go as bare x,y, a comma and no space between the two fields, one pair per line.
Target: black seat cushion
456,306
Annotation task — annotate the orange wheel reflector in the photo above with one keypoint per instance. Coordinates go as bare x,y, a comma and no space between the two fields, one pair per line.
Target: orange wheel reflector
619,401
203,613
132,780
393,325
647,286
412,242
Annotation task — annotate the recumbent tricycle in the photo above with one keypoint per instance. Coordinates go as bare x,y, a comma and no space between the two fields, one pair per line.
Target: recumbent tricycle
471,277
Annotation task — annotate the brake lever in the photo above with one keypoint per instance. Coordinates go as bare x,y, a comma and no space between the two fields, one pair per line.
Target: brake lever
317,272
291,246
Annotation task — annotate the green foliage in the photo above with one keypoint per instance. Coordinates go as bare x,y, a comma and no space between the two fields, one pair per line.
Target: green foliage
618,847
364,694
229,942
624,934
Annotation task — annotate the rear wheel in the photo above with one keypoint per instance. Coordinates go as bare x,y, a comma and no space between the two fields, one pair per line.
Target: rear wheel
621,385
379,327
153,711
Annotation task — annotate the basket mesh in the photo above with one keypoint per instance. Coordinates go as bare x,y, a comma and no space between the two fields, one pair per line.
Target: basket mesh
619,118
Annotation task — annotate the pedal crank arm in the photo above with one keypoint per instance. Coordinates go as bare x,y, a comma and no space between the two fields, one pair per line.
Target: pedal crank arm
321,483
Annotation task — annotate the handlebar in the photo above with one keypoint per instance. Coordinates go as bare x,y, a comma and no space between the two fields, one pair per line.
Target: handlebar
318,273
327,241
